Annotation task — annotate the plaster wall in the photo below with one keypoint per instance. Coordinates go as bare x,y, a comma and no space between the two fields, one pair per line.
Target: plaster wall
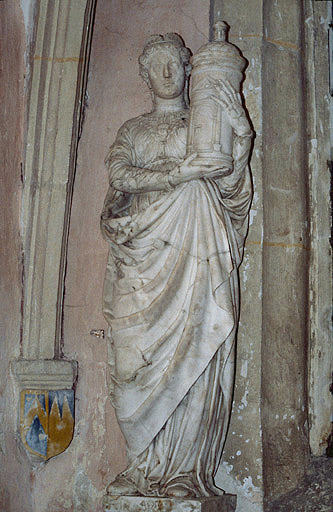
15,480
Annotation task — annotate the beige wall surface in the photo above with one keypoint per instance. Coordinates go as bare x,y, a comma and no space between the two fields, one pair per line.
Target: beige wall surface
14,468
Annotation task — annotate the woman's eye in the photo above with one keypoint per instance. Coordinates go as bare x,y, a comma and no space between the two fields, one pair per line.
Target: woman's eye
156,68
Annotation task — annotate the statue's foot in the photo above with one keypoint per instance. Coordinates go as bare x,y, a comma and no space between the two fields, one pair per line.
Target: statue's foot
179,491
121,486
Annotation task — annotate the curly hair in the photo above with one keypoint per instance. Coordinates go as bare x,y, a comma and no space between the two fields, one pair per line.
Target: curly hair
172,41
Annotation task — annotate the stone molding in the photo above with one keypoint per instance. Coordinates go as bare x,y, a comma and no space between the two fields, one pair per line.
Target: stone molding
44,374
59,69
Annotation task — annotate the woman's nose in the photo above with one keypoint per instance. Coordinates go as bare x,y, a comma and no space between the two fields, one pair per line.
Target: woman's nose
166,71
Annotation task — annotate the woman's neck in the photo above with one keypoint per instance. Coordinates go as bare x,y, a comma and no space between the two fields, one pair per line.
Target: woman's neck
162,105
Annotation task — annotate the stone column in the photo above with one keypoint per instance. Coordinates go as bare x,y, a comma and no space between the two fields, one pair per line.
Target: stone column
285,249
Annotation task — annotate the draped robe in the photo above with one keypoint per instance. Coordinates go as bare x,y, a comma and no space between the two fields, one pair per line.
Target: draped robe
171,300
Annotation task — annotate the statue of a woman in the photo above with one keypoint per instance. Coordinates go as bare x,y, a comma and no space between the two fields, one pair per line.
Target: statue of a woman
176,234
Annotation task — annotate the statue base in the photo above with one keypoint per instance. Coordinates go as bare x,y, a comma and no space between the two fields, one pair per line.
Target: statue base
225,503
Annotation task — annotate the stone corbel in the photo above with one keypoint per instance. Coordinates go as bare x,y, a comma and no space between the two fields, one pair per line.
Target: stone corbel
44,374
46,381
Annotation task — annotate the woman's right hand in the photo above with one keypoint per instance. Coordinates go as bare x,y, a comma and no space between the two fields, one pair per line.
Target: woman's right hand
186,171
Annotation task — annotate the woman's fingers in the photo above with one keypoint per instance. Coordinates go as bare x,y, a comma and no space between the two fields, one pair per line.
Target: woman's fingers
189,158
217,172
220,101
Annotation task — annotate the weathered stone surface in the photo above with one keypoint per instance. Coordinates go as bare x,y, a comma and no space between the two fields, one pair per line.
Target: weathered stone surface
226,503
44,374
285,251
319,123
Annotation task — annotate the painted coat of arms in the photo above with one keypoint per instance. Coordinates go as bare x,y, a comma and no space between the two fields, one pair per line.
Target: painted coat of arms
46,421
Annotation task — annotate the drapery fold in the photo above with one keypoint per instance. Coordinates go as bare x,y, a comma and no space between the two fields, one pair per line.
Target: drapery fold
171,300
172,303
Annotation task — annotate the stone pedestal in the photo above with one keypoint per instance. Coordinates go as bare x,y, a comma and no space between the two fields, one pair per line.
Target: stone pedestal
226,503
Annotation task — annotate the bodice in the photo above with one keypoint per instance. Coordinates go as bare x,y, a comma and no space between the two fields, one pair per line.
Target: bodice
154,141
158,137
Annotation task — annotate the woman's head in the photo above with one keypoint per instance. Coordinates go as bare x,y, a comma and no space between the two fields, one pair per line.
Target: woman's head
164,64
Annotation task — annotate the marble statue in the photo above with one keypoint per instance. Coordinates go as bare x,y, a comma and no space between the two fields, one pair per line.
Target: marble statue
176,230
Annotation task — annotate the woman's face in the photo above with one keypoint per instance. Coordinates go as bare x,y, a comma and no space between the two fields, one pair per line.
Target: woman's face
166,74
